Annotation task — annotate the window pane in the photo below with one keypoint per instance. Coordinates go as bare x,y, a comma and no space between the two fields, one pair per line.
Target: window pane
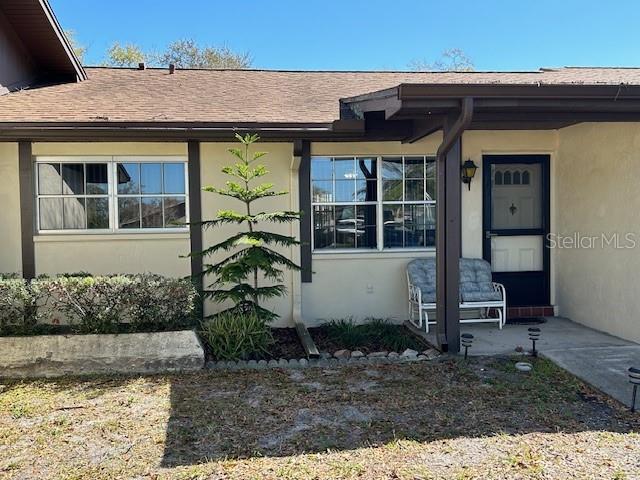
322,191
345,191
431,180
128,177
50,214
175,209
392,190
366,190
97,213
430,225
414,167
366,168
366,226
74,214
321,168
414,190
516,206
346,226
129,212
392,168
49,179
97,179
72,178
345,168
323,227
393,220
151,178
152,212
173,177
414,224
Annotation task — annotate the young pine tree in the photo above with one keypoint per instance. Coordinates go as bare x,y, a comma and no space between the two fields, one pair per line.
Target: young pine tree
251,270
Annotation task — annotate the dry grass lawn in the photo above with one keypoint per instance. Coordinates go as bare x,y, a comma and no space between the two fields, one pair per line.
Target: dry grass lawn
445,419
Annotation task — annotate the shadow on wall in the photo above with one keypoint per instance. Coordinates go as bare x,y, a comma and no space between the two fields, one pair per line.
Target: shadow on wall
234,415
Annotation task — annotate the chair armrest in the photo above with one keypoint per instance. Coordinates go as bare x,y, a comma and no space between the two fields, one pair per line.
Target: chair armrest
498,287
415,294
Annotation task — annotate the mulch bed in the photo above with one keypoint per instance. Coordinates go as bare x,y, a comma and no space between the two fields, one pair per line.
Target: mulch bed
287,345
326,343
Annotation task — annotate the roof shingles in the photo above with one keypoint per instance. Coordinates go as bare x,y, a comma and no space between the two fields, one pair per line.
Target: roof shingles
153,95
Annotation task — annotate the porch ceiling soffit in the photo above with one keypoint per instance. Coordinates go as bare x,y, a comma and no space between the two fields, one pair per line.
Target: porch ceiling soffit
499,107
39,30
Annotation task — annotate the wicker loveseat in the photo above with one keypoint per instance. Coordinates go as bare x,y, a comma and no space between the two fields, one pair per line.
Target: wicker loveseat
477,292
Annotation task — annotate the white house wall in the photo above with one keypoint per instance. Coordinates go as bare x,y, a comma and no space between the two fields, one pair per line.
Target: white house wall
594,171
597,193
10,237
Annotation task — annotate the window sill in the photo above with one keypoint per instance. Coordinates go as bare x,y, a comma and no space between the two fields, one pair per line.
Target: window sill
109,236
372,254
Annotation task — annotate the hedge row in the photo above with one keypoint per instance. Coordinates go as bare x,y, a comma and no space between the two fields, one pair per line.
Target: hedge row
80,303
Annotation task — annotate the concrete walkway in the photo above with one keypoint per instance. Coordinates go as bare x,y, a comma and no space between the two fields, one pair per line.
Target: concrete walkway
595,357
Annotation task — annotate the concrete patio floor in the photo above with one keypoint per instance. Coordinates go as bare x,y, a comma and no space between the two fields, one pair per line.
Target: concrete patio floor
595,357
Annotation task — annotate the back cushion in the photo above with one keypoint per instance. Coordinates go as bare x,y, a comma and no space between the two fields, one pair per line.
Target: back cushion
422,274
475,279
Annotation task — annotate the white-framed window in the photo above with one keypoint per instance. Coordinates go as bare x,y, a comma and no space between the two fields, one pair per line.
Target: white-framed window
111,194
373,202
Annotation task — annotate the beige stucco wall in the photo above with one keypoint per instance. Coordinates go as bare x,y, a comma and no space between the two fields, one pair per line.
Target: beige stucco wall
112,253
374,284
10,236
279,160
597,192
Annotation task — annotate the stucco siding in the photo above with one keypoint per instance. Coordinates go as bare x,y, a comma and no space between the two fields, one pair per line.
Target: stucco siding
597,193
10,236
213,157
112,253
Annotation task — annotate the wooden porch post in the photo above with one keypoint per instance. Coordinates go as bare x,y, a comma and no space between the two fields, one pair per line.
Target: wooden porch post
448,230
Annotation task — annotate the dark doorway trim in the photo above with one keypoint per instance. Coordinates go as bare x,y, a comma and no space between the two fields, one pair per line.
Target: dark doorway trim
27,199
303,149
544,161
195,211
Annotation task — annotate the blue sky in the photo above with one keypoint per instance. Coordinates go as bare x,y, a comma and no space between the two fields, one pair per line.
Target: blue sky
373,34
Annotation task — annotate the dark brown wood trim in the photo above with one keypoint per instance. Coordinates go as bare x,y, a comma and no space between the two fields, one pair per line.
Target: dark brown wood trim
304,187
620,92
449,230
195,211
27,202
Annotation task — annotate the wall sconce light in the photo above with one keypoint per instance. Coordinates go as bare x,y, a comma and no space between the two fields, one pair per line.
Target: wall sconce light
468,171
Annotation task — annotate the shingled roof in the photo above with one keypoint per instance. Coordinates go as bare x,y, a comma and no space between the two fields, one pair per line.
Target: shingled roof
265,96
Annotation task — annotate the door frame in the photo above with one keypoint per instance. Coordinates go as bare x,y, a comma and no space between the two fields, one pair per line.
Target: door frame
544,160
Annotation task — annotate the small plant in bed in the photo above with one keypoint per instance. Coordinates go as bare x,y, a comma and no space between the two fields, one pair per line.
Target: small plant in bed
374,334
233,335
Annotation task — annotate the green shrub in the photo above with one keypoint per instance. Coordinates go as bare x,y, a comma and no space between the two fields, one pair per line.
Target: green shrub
101,304
236,335
374,332
154,300
18,305
346,332
88,304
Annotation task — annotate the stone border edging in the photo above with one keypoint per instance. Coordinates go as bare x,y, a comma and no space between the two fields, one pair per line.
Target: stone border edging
375,358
